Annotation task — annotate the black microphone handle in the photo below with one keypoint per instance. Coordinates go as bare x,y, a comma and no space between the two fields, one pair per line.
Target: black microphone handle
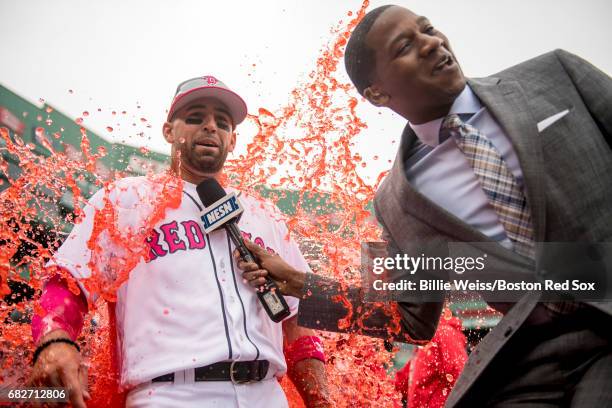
236,237
270,296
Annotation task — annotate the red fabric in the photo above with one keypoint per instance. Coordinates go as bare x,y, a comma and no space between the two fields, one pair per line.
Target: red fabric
429,377
118,396
61,308
303,348
401,379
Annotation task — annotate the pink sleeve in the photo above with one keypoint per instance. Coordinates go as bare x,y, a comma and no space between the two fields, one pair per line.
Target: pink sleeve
61,309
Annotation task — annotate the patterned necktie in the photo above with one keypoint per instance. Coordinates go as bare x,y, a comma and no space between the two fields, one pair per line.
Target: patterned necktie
497,181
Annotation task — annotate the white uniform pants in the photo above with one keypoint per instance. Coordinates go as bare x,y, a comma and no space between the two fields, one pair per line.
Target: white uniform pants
223,394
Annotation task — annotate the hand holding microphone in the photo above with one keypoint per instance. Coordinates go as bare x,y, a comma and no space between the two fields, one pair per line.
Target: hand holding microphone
222,210
289,280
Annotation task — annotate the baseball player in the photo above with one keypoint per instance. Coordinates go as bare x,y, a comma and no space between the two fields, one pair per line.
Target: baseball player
190,331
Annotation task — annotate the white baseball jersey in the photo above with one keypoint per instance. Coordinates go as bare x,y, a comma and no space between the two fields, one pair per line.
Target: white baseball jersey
188,306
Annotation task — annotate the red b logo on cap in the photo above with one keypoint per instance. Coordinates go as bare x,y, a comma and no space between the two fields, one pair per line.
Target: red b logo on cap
210,80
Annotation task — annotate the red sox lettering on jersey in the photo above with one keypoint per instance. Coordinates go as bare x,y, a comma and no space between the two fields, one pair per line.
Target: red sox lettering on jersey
167,240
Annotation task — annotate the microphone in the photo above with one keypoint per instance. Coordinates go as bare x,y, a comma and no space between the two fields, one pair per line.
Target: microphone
223,210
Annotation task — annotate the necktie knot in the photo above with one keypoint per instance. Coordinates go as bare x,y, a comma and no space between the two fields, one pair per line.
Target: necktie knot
452,122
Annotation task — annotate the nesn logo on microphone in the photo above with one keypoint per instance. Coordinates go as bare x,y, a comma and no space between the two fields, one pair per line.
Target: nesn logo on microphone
221,212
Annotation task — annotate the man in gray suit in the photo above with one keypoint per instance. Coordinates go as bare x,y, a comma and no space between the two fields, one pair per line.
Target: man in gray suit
508,163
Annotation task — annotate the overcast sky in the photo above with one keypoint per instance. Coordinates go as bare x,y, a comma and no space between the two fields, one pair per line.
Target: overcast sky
129,55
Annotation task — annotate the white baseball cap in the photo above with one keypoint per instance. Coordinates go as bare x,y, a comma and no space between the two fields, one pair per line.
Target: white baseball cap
208,87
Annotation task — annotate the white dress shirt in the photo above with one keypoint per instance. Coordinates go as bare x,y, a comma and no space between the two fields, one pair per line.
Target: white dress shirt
441,172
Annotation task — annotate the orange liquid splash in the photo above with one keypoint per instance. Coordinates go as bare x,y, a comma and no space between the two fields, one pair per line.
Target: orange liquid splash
305,147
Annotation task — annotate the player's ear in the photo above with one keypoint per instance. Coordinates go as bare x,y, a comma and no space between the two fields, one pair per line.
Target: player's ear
232,142
376,96
167,129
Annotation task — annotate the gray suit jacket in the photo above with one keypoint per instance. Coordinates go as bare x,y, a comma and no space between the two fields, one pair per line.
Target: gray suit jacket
567,171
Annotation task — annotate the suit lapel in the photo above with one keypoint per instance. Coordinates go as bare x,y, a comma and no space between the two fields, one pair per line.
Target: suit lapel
416,204
506,102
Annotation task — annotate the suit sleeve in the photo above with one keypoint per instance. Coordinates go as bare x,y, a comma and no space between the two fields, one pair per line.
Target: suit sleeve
329,305
418,319
595,88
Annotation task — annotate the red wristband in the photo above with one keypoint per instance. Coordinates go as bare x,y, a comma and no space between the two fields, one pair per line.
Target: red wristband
59,309
303,348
